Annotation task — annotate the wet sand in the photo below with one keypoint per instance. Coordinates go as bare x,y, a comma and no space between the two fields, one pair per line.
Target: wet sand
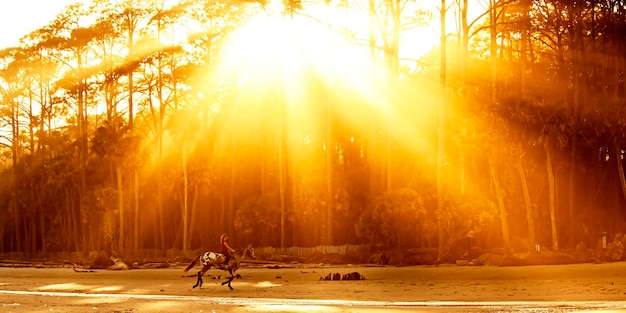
297,288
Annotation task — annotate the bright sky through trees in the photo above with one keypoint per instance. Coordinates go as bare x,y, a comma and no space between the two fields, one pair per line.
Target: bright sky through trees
18,18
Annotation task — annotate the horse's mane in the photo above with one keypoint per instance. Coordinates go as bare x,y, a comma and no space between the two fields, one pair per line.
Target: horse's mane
241,252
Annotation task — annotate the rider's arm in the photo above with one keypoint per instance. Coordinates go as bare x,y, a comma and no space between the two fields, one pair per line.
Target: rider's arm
230,249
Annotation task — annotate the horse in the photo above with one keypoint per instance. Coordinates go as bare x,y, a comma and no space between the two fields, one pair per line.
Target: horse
212,259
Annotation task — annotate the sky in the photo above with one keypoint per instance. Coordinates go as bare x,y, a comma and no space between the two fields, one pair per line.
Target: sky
20,17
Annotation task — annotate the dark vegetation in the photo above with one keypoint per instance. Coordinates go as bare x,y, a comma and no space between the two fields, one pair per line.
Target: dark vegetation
462,256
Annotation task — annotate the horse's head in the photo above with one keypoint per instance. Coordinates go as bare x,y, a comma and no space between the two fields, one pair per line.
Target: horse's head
250,252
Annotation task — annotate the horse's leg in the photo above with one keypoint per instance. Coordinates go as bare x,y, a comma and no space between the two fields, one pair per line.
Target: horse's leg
229,280
199,280
201,272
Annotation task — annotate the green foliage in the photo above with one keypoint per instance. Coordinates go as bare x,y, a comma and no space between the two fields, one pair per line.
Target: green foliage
404,218
257,222
467,216
394,219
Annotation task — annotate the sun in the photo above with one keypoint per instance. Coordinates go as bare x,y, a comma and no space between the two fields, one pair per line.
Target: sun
271,40
295,67
332,38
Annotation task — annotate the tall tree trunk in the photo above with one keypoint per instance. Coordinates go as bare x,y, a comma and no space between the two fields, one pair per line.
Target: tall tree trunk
441,192
503,214
282,159
15,155
529,209
120,207
185,200
65,224
295,196
42,221
194,210
551,195
329,175
161,131
81,123
136,216
329,145
130,99
83,130
222,213
74,217
579,83
464,51
133,182
230,209
493,49
32,234
373,153
263,167
392,72
161,223
31,124
620,166
525,40
282,186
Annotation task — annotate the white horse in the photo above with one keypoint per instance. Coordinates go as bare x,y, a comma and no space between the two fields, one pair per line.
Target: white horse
213,259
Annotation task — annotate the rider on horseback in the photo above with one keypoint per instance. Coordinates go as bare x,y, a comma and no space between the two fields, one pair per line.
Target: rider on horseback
227,250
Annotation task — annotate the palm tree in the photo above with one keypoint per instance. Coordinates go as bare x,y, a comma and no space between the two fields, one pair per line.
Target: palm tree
112,142
129,15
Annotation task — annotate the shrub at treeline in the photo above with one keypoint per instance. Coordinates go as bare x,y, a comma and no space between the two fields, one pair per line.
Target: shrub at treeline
119,136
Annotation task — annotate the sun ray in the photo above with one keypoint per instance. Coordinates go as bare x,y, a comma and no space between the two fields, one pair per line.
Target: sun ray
290,70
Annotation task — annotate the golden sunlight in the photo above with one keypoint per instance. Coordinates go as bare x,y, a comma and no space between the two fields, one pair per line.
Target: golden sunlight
266,284
278,46
64,286
293,308
292,66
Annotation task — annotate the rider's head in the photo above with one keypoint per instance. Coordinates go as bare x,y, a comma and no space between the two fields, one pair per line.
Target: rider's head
223,238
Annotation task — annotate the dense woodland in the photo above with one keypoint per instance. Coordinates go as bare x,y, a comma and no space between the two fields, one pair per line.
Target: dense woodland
118,134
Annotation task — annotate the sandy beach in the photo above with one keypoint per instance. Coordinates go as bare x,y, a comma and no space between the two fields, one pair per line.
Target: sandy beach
297,287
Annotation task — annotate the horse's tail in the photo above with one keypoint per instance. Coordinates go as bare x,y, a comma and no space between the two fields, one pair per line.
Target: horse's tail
192,264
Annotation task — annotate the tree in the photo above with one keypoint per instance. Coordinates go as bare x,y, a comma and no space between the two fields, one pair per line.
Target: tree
530,219
10,112
441,139
112,143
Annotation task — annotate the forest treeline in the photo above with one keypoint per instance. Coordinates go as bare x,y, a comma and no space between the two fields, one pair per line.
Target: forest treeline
117,134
